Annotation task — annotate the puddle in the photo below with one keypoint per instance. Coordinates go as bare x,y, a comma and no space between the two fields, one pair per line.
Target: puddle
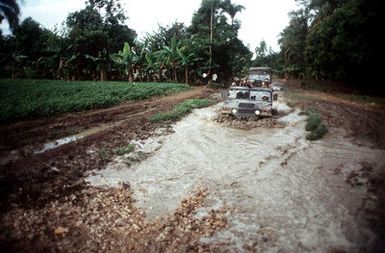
59,142
68,139
279,187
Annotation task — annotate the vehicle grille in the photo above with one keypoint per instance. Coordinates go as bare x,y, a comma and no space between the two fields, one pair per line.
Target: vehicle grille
246,111
246,105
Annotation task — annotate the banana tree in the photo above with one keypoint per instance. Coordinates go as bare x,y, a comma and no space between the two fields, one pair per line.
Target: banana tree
101,62
17,61
151,65
171,57
140,61
126,57
186,60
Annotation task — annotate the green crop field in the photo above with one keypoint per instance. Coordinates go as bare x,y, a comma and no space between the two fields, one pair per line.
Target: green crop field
26,99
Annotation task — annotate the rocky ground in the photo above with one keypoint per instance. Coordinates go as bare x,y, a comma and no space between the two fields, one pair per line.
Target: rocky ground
106,220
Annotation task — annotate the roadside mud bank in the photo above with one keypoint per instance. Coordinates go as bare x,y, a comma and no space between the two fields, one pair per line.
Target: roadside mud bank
281,192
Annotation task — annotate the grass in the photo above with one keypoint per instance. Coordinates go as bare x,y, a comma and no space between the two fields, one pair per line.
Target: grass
27,99
181,109
104,153
290,104
124,150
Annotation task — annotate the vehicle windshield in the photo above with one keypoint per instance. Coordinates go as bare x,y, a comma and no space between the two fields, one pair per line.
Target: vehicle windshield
251,95
259,77
239,94
260,96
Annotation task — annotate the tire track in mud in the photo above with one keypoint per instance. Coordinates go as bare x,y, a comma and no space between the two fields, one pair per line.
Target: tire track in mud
36,132
31,179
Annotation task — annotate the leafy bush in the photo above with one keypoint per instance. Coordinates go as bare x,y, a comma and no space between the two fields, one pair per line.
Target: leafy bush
317,133
313,121
314,125
26,99
181,109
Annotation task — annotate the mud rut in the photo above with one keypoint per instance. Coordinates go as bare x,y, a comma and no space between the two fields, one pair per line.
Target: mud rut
281,192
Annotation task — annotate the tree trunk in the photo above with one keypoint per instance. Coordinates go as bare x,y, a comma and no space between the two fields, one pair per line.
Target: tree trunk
211,37
160,75
129,71
13,71
186,74
102,75
175,77
60,70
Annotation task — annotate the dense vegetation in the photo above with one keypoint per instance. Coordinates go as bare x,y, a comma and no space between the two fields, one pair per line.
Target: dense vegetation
96,44
325,39
21,99
335,39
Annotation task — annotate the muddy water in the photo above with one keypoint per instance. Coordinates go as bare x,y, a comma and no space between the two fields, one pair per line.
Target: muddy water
283,193
72,138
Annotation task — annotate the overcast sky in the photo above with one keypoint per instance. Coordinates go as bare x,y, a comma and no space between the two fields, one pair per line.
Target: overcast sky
262,19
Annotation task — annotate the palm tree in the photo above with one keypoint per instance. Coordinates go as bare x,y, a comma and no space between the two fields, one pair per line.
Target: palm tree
9,9
232,9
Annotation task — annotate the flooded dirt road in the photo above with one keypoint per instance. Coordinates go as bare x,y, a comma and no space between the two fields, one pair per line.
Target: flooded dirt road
203,184
281,192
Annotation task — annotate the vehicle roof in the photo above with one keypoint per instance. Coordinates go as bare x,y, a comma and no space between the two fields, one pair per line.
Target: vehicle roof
248,88
260,68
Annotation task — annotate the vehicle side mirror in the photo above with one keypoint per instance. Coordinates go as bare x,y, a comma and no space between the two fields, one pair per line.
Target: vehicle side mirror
275,97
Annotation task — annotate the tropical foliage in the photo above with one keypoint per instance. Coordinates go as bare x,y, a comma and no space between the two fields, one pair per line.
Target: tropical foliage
325,39
335,39
9,10
96,44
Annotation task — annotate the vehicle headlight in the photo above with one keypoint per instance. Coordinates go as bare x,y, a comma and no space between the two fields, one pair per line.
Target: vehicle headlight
257,112
234,111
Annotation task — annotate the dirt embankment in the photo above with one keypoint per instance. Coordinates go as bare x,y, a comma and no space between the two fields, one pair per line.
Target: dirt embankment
365,122
29,178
